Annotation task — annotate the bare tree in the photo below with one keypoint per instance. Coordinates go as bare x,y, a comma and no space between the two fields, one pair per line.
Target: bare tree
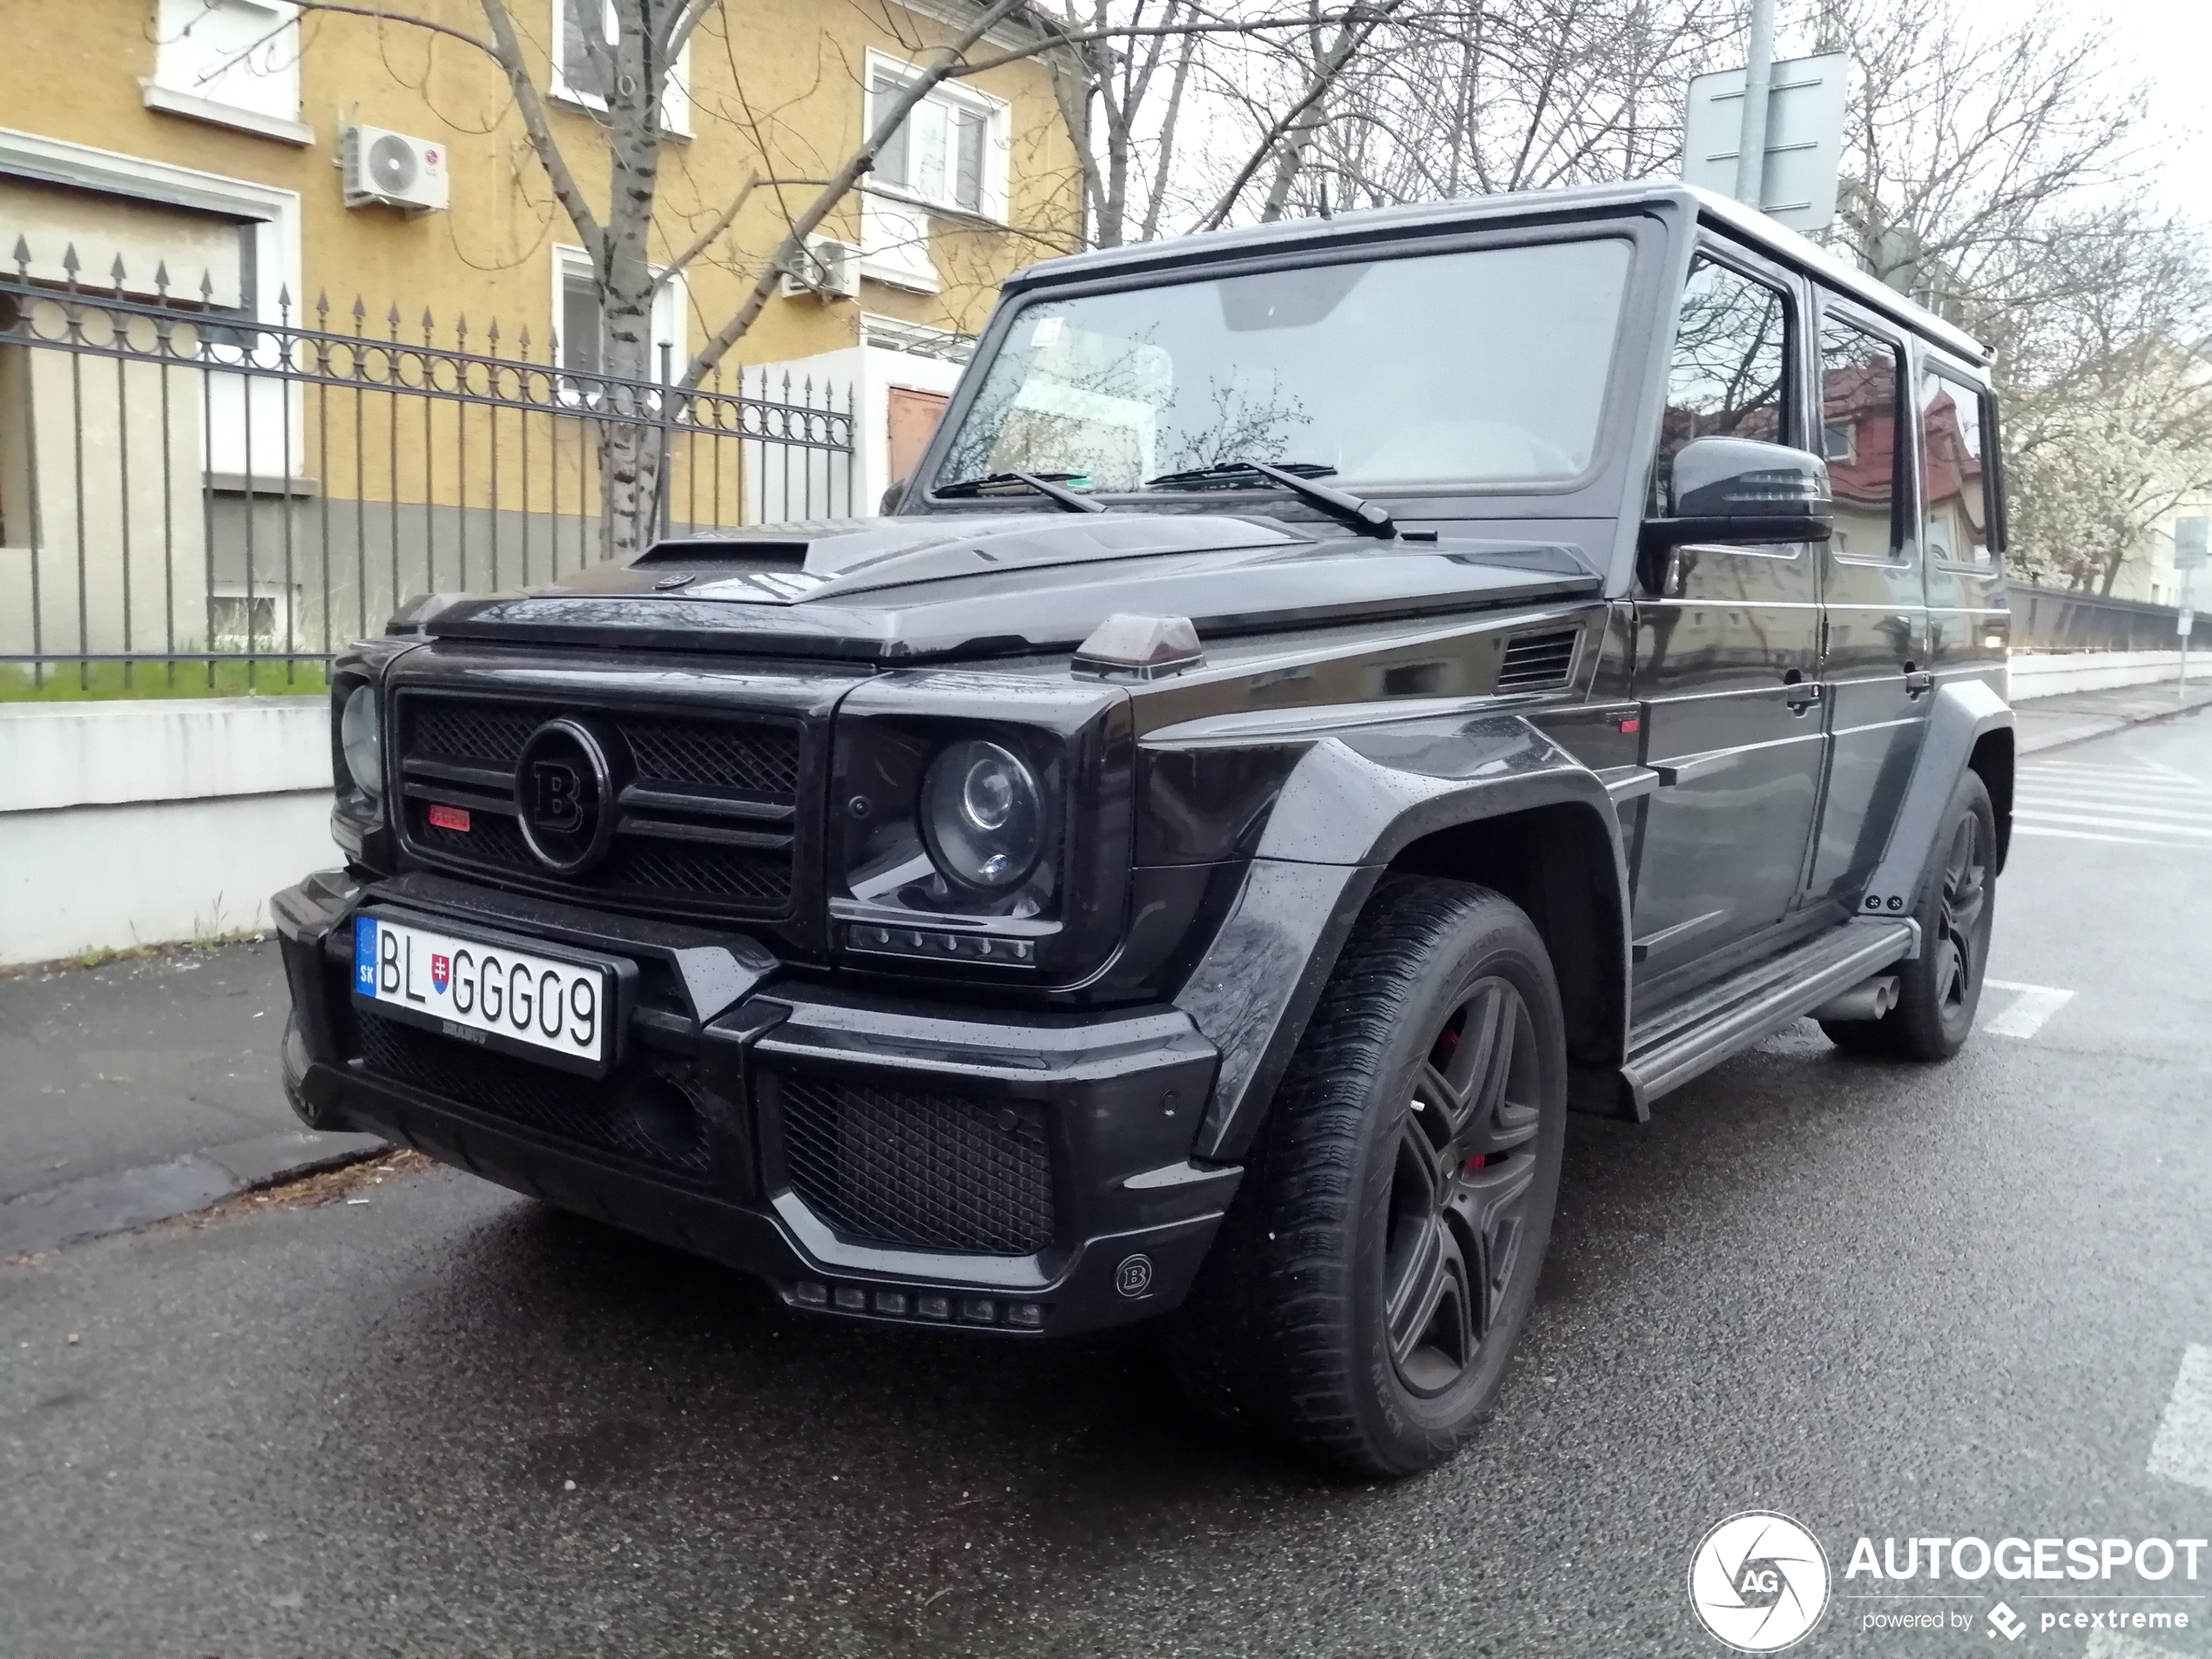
1469,98
1997,175
620,226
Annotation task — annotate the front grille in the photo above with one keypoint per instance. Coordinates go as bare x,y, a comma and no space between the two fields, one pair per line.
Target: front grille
720,790
1536,660
918,1170
649,1114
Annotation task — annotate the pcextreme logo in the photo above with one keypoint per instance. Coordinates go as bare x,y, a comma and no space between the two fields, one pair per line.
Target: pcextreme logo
1758,1581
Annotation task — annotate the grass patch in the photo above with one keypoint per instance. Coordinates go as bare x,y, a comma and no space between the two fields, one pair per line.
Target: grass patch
109,682
139,952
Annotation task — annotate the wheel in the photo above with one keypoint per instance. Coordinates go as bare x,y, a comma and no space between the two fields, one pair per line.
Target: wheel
1374,1270
1938,991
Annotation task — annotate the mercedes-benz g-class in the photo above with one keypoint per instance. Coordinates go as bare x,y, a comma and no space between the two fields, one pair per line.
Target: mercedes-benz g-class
1333,698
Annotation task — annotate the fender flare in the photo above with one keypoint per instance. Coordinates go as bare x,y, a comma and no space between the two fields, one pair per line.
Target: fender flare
1354,802
1966,711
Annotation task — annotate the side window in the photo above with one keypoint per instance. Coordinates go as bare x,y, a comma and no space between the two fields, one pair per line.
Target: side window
1859,377
1731,373
1730,377
1955,480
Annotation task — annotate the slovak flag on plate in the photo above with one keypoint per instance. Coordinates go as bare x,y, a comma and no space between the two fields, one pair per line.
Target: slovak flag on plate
440,971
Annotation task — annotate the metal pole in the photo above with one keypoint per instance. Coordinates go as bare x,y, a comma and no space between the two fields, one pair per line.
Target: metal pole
2182,691
1758,76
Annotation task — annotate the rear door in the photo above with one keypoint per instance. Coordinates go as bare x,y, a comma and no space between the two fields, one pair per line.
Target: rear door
1726,665
1874,657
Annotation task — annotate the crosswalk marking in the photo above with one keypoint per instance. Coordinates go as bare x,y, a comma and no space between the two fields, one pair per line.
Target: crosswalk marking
2121,804
2083,835
2031,1005
2099,820
2110,1644
2183,1450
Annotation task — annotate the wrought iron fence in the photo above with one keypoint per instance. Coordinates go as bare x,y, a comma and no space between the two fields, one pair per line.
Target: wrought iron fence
183,485
2054,619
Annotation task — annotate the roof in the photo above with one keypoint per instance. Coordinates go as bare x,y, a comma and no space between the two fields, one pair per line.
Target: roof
1775,240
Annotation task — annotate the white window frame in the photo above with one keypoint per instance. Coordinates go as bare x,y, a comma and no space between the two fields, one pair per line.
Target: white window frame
997,113
676,94
273,58
671,305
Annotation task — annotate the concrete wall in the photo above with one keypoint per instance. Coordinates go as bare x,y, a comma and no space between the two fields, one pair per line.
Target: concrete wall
133,823
2053,673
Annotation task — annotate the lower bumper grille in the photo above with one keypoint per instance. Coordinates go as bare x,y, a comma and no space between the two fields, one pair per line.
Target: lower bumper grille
918,1171
648,1114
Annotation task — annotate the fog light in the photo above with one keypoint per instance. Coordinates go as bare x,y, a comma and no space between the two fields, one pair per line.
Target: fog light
891,1301
1028,1315
934,1307
980,1309
852,1298
811,1294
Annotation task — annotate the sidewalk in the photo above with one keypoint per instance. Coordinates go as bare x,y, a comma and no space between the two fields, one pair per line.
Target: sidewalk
2075,717
141,1090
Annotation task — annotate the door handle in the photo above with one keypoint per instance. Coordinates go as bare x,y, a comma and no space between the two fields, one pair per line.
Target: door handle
1918,682
1799,697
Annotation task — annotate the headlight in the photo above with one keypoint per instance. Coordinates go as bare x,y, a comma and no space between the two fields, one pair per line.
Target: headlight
361,738
983,812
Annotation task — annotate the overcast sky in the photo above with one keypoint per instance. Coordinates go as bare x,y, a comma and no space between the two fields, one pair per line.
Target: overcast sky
2168,42
2171,41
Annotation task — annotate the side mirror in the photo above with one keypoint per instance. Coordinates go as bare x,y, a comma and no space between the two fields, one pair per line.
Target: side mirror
1738,490
894,496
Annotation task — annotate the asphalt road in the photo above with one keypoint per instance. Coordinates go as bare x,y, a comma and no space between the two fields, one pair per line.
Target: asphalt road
110,1069
1884,1300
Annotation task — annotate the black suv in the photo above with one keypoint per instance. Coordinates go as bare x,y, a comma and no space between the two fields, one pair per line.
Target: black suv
1333,697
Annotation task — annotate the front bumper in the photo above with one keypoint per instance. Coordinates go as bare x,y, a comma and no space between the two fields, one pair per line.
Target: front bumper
978,1169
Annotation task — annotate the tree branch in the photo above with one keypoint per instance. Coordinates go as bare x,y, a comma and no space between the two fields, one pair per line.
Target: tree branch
540,130
840,183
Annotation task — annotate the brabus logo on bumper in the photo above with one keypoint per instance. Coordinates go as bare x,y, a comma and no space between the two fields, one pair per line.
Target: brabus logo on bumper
1133,1277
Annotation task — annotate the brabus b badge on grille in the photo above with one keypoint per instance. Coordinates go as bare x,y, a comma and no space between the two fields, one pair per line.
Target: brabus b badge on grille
564,796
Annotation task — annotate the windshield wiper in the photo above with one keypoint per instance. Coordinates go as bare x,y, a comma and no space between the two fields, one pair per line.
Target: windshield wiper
1045,483
1231,475
1297,477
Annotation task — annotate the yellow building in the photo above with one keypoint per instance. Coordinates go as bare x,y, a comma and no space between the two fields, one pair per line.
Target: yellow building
239,147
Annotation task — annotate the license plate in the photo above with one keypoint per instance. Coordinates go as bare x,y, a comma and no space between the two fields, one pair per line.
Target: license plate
559,1010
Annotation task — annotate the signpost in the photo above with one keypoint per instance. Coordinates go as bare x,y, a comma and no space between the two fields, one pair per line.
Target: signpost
1805,139
2190,537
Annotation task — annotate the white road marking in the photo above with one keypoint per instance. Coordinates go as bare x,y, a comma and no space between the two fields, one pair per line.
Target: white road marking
2110,1644
2183,1450
2083,835
2030,1008
2099,820
2069,800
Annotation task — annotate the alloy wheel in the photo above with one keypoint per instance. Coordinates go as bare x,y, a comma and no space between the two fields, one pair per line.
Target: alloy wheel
1965,893
1463,1168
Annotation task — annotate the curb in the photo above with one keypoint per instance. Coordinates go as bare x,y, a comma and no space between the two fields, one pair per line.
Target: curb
99,1204
2072,735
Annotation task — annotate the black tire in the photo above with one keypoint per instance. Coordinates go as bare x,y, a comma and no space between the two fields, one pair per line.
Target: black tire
1940,989
1370,1278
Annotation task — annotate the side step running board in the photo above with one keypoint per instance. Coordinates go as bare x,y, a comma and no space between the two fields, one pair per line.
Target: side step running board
1669,1051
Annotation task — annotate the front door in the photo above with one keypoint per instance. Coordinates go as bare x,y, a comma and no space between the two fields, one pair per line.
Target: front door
1727,660
1875,668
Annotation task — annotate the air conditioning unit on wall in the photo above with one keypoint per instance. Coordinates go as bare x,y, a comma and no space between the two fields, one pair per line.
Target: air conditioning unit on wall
384,169
828,268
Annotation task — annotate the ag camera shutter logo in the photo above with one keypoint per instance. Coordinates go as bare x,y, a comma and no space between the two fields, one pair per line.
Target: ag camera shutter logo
1758,1581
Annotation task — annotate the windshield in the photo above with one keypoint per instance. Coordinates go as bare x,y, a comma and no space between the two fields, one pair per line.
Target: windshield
1483,367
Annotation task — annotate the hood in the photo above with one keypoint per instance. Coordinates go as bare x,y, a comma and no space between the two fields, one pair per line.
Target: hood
997,585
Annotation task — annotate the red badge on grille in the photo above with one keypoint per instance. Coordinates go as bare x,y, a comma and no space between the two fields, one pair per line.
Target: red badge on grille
449,817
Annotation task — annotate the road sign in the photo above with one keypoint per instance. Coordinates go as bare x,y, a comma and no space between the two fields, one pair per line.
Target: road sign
2189,538
1804,137
2185,625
